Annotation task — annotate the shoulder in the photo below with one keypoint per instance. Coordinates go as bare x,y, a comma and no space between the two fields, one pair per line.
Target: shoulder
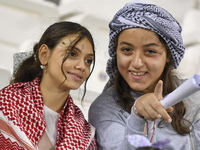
192,103
15,93
12,89
12,98
16,99
106,99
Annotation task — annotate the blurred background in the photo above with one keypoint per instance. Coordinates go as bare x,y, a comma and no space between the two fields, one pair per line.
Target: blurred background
23,21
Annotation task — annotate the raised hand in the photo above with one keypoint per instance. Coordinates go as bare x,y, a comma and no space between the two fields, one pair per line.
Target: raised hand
149,105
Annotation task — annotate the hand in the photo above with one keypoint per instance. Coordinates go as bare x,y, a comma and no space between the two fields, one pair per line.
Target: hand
149,105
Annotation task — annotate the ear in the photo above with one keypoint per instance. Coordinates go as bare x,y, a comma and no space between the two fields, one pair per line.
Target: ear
44,54
168,60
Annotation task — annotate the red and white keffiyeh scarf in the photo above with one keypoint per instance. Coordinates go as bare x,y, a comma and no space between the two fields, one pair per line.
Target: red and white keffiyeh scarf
22,121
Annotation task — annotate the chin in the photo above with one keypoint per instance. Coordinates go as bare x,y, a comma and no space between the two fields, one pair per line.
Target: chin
138,88
75,87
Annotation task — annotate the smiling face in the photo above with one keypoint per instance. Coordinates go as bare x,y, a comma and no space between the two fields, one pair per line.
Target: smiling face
76,67
141,58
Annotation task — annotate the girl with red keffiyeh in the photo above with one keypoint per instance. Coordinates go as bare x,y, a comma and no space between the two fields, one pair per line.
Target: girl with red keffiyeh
36,110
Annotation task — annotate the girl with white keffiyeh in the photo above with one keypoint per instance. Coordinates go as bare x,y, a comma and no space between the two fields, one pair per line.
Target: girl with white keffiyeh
145,47
36,110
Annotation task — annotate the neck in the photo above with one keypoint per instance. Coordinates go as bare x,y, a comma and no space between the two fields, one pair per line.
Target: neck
53,98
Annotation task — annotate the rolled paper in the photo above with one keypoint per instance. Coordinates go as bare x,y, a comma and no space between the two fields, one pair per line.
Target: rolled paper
189,87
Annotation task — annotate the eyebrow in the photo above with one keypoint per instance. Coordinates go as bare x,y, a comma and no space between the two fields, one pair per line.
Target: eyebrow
125,43
151,44
81,51
146,45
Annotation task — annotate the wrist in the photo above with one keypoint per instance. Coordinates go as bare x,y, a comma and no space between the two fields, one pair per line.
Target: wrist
135,110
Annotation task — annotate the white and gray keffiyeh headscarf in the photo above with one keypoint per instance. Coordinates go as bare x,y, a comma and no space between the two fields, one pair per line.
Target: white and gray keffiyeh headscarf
147,16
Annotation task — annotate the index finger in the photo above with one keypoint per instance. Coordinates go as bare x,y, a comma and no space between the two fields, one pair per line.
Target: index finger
160,110
158,90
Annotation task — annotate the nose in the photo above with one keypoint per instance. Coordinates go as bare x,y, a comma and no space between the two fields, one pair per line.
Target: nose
80,65
137,61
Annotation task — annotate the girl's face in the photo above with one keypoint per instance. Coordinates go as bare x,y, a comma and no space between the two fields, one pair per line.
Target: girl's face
76,67
141,58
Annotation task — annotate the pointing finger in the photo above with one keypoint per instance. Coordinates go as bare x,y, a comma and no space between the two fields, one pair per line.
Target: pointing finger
158,90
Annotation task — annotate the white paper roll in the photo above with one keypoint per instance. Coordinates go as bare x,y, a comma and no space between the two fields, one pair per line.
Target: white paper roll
186,89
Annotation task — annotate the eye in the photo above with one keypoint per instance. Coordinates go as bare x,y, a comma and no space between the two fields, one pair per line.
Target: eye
89,61
73,54
150,51
126,49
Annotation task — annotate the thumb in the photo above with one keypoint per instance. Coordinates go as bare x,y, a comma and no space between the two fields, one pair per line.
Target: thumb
158,90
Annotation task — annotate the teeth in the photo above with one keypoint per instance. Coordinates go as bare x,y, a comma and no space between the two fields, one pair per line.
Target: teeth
76,76
138,74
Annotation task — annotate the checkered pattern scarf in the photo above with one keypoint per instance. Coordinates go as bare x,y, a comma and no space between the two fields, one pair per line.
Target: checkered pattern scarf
147,16
22,121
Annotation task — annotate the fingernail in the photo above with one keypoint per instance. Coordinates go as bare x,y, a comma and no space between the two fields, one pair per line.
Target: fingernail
169,120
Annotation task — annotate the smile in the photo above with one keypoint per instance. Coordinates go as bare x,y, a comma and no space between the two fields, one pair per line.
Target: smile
75,75
138,73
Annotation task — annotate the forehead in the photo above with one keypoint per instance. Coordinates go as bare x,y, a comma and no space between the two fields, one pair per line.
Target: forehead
138,32
84,45
68,39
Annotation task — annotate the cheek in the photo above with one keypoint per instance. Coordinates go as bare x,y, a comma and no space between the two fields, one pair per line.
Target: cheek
87,72
157,62
66,66
154,66
157,67
122,62
121,65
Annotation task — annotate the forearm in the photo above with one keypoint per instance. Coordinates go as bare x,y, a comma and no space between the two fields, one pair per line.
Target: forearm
136,125
111,135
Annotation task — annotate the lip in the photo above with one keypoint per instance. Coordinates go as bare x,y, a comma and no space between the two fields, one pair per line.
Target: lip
76,76
138,75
